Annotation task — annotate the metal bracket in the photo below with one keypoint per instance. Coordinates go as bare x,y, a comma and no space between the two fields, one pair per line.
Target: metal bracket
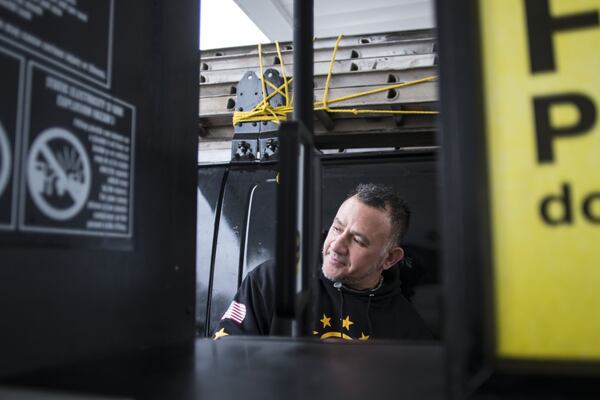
273,76
249,94
269,148
247,143
244,149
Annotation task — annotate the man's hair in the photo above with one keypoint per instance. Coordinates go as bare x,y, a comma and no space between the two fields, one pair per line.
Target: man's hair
385,198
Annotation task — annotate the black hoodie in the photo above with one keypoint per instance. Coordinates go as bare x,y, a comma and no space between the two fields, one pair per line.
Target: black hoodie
342,312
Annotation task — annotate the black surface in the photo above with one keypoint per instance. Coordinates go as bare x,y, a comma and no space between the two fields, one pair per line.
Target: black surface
85,35
407,138
230,254
11,66
61,300
257,368
210,183
290,234
271,368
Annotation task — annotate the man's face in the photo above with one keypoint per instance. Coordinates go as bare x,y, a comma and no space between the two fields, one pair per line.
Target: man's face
357,248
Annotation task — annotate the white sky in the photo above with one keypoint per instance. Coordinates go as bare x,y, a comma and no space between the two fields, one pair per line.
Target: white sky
224,24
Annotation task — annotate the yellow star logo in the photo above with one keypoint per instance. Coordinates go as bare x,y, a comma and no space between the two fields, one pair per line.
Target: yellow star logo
335,335
326,321
363,337
220,333
346,322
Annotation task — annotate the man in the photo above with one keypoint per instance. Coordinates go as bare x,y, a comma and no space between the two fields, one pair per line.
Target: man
358,290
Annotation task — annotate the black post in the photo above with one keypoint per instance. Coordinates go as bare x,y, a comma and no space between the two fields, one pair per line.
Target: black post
303,63
303,112
297,173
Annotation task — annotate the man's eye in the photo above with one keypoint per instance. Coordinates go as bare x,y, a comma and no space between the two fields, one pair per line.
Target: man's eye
335,229
360,243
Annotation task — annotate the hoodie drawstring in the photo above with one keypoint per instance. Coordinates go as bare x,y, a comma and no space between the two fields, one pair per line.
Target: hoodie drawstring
371,295
338,286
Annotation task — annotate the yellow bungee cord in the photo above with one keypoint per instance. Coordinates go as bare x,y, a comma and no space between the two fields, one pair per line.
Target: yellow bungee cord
265,112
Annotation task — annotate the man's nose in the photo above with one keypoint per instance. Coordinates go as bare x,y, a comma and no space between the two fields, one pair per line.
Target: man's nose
339,244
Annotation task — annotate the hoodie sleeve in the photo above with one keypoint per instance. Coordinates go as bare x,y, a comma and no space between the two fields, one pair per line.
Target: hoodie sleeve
251,311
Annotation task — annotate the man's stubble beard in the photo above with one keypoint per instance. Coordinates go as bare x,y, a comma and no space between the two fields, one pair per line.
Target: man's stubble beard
352,281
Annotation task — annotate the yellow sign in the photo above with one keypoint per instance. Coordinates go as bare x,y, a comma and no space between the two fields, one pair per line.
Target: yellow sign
541,65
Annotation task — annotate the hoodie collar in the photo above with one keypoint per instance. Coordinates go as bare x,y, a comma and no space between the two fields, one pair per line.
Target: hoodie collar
389,284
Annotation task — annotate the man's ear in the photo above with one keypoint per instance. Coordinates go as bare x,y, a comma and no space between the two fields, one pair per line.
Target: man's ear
394,255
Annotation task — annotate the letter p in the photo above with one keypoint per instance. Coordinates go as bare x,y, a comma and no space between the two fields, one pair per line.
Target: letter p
546,133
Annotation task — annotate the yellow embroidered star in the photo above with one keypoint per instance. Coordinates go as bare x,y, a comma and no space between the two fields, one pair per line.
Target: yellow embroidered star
220,333
326,321
363,336
346,322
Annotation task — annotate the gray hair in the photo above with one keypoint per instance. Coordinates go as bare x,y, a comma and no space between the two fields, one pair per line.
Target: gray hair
385,198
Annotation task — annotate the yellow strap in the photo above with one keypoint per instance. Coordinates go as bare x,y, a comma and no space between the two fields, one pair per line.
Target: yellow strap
285,82
378,90
357,111
335,48
262,81
263,111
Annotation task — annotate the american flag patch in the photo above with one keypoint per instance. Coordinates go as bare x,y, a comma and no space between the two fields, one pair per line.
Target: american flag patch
235,312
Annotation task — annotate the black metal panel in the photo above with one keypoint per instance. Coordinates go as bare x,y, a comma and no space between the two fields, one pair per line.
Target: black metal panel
229,256
64,299
210,182
262,220
418,138
464,175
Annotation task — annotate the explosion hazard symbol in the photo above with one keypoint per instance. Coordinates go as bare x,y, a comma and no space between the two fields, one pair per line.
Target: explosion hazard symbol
5,161
58,174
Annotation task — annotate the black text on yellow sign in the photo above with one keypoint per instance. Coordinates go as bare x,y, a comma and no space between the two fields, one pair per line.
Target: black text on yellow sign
541,29
541,60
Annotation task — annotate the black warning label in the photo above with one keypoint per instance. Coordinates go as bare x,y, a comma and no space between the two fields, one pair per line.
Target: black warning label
73,34
78,159
11,79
